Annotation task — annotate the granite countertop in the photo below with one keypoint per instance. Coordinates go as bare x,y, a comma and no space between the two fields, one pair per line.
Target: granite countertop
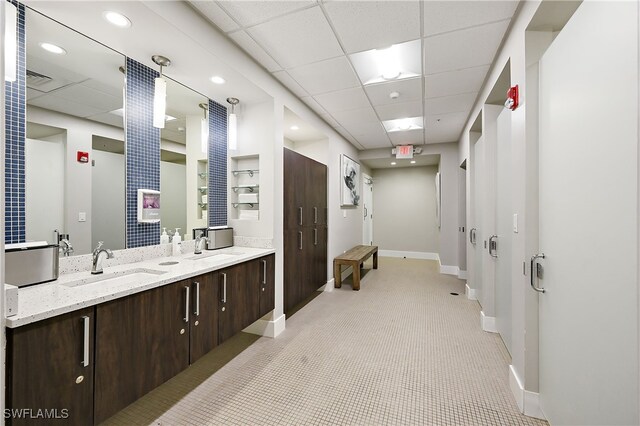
71,292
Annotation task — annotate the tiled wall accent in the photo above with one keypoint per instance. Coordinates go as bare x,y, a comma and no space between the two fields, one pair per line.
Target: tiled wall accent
217,164
142,150
15,108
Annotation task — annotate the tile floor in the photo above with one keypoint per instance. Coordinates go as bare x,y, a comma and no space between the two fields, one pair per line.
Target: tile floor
400,351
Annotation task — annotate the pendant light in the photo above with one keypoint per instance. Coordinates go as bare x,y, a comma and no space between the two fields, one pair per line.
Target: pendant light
233,124
160,93
10,46
204,128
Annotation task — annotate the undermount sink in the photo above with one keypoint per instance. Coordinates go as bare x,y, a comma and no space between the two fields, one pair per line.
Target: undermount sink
217,255
130,276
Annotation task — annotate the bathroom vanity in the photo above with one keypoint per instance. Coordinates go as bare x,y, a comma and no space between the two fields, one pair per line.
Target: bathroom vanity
88,347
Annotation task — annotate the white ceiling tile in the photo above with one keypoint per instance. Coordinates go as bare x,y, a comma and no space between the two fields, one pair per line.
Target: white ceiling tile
463,49
411,137
364,115
299,38
313,105
249,13
64,106
364,25
369,128
291,84
446,104
330,120
400,110
444,127
455,82
343,100
374,140
326,76
254,50
443,16
216,15
409,90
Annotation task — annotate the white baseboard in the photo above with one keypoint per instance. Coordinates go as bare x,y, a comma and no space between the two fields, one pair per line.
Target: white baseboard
409,254
449,270
267,328
488,323
470,292
528,402
462,274
328,286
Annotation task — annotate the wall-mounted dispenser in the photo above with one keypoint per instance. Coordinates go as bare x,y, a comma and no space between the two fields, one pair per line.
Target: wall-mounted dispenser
148,206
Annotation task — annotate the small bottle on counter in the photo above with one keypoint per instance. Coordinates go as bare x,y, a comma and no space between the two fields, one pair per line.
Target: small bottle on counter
177,243
164,238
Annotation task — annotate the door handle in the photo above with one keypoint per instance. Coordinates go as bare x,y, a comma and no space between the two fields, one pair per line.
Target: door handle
315,236
534,273
264,272
315,215
85,346
197,309
472,236
300,213
300,234
493,245
224,287
365,212
186,304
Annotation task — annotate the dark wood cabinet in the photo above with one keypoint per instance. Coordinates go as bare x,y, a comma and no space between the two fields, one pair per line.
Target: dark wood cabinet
204,315
267,284
141,342
305,239
50,366
238,299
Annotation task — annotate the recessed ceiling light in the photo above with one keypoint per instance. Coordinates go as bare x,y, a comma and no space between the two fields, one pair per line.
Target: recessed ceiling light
393,163
388,63
394,95
53,48
413,161
218,80
294,127
117,19
403,124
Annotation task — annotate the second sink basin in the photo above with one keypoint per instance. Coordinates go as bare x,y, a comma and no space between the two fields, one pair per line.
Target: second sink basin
130,276
212,256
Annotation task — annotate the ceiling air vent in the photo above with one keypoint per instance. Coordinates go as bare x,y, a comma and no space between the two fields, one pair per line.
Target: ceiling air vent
36,80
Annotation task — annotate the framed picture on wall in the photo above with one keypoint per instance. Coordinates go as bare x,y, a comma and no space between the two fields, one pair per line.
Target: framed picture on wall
350,179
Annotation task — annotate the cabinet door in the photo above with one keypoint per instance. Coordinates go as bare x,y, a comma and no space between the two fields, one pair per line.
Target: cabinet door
238,299
204,315
141,342
320,258
50,366
295,267
315,193
294,189
267,284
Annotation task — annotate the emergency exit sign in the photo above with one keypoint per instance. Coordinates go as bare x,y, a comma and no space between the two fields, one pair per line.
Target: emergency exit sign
404,151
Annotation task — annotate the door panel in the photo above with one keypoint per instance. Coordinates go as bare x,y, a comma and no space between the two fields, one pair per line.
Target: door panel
204,315
367,213
267,285
479,200
589,218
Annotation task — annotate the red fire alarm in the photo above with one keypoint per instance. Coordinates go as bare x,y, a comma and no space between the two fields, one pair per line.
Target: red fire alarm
82,157
513,98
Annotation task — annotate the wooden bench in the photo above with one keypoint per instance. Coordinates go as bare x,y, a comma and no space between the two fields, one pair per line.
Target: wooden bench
354,258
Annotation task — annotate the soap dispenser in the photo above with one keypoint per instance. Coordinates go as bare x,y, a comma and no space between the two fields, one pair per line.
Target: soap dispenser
164,238
177,243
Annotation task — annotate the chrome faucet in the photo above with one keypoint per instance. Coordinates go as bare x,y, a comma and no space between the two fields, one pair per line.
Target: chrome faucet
66,247
199,239
96,268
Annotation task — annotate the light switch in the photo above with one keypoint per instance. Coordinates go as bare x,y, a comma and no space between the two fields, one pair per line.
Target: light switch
515,223
82,216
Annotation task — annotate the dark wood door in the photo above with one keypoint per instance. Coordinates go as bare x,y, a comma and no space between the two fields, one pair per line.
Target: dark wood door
46,369
294,267
320,258
141,342
315,193
204,315
238,299
267,284
294,189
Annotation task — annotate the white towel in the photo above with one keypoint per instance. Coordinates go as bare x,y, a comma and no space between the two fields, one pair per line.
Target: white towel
247,198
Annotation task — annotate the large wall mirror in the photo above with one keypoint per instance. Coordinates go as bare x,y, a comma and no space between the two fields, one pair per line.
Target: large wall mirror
75,105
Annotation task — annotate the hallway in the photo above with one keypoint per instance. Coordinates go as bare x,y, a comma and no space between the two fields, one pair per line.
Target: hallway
402,350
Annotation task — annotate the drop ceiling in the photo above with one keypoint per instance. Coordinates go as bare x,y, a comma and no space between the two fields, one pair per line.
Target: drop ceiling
315,49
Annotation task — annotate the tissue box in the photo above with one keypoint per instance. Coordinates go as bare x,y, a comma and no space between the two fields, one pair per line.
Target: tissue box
247,198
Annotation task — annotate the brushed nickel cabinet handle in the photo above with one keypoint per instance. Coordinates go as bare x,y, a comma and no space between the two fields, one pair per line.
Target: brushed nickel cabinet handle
197,309
534,272
264,272
300,212
224,288
186,304
85,349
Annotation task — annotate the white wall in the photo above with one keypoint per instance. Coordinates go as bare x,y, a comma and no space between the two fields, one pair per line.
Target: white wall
173,198
107,200
405,209
194,154
44,187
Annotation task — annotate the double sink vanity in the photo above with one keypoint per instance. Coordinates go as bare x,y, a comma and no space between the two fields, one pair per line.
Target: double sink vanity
89,345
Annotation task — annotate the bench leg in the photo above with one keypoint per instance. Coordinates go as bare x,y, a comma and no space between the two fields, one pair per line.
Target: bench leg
337,275
375,260
356,277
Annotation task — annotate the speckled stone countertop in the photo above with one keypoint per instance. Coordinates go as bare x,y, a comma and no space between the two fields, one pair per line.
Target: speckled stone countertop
74,291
